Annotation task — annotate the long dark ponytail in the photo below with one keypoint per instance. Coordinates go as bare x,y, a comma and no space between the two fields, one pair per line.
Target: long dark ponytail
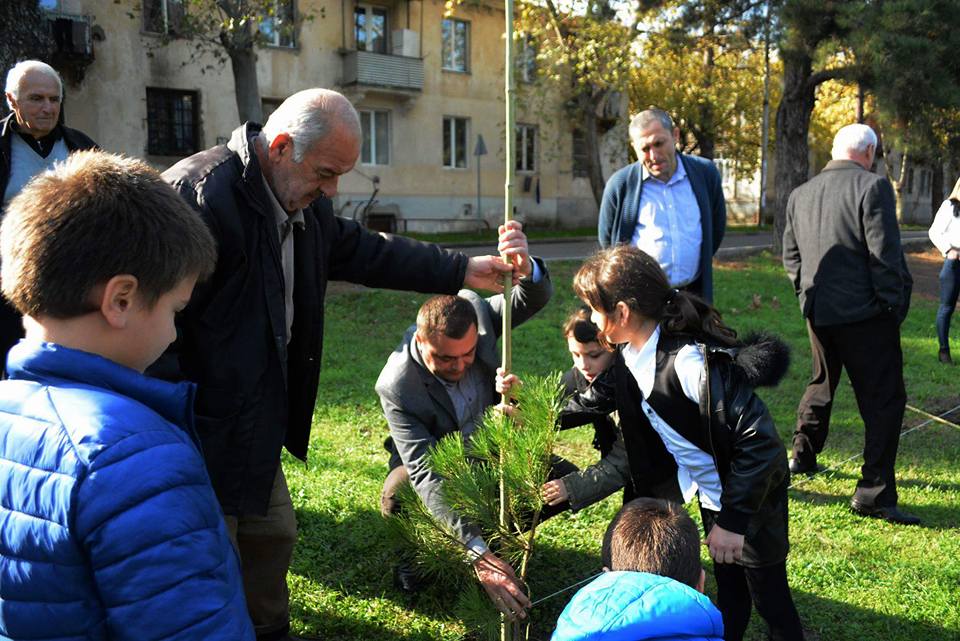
626,273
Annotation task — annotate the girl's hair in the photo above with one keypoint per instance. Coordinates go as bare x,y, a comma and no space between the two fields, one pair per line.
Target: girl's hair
955,194
581,327
625,273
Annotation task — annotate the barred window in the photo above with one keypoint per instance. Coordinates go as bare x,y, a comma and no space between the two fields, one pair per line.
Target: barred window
173,119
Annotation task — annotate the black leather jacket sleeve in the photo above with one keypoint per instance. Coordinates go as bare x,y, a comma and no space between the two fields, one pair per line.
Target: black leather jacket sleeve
743,434
594,403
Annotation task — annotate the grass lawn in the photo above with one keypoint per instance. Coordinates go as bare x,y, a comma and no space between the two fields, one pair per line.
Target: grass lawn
853,578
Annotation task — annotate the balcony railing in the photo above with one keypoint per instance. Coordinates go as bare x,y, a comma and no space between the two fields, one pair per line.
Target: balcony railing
368,69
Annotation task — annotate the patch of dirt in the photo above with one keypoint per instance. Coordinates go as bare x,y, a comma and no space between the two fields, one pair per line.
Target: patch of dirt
925,269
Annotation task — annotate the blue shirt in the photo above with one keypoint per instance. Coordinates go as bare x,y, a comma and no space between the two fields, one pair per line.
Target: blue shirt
668,225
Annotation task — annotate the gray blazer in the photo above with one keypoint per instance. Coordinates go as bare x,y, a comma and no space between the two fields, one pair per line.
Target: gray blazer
841,247
417,407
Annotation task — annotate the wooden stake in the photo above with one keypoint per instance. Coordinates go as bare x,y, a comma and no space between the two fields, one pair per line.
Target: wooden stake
506,630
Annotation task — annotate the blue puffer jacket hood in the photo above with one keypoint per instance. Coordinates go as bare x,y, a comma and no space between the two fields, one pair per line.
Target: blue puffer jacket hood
109,528
636,606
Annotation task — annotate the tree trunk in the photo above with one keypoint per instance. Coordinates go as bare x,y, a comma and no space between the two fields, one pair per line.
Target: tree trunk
587,102
793,124
707,138
246,85
900,184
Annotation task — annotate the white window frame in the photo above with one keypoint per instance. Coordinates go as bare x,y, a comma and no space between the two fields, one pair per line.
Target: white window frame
369,9
448,65
465,124
526,165
369,116
274,37
527,59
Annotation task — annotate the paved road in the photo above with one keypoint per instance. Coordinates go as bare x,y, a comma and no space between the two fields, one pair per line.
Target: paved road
579,248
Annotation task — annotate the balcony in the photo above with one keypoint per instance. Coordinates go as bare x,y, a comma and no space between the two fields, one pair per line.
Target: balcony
383,73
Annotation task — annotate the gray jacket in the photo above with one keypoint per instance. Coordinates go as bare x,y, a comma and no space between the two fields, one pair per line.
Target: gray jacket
841,247
418,408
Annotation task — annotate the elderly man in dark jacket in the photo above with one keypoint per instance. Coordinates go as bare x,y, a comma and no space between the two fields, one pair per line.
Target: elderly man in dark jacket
252,335
841,249
31,140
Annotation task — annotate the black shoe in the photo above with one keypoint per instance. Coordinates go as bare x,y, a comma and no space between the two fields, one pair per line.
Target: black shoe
406,578
804,466
944,356
886,512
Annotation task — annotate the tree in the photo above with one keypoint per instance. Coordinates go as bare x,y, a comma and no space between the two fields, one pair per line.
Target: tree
227,30
903,51
26,34
585,52
500,449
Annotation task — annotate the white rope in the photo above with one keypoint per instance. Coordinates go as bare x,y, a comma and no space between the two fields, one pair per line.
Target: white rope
834,467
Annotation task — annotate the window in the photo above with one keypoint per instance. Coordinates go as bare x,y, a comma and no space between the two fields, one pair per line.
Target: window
527,59
162,16
278,29
526,148
268,106
580,164
172,122
375,149
370,28
455,143
456,42
925,179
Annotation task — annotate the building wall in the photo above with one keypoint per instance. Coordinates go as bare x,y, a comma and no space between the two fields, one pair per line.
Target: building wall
110,105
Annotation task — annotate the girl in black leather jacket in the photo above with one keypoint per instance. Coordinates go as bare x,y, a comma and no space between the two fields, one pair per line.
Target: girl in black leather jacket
691,424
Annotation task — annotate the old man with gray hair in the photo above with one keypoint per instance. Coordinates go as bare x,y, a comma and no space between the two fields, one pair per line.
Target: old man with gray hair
667,203
252,336
32,139
841,250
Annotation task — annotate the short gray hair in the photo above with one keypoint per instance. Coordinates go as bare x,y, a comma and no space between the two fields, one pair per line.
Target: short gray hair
853,138
647,117
309,116
19,70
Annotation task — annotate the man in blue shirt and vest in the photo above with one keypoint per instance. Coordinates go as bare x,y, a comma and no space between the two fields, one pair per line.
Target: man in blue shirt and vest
668,204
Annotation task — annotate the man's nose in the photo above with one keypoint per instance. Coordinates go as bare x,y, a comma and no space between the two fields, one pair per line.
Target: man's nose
329,186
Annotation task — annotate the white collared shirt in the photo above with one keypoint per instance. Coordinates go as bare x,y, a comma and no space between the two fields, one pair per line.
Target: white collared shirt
668,225
285,224
696,470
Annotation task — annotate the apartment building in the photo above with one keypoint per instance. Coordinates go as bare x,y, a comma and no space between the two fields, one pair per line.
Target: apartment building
428,88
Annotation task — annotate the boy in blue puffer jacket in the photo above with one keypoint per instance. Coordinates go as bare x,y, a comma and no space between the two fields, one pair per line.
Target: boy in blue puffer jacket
109,528
655,591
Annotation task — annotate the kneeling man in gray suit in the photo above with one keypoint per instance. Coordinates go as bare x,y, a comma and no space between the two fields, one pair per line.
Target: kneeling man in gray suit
439,381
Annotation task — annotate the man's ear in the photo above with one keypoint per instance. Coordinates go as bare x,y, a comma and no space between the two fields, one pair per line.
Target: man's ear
676,136
702,582
117,299
11,101
281,145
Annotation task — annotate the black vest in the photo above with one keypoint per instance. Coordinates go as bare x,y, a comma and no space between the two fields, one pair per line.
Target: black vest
652,467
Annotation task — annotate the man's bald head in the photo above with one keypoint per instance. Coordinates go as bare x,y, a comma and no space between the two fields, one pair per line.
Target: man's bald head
311,115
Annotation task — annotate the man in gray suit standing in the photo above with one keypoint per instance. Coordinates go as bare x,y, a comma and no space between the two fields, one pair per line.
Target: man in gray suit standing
439,381
841,249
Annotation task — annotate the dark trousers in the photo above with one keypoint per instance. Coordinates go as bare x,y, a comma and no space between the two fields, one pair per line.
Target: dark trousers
870,352
389,504
739,588
949,289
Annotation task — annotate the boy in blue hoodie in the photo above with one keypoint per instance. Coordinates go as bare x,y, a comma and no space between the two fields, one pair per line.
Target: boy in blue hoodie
655,587
109,528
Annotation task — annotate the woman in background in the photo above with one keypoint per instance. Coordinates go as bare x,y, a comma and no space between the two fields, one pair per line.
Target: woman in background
945,234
